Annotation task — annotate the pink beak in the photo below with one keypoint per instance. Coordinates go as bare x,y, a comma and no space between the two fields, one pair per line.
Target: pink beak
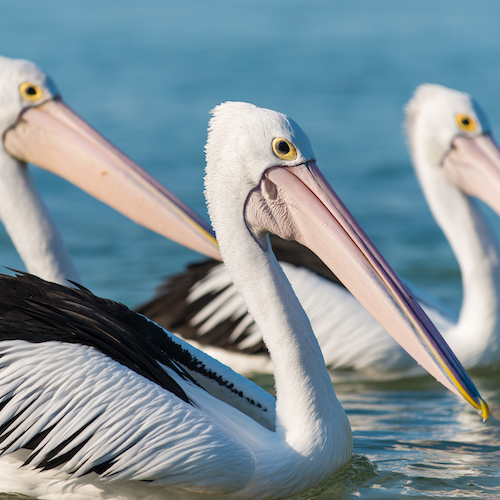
302,206
55,138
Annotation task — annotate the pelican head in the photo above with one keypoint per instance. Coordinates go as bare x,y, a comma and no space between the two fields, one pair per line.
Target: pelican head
267,181
450,138
23,85
38,128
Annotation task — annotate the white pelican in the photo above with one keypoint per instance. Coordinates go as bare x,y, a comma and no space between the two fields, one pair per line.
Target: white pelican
100,402
455,159
37,127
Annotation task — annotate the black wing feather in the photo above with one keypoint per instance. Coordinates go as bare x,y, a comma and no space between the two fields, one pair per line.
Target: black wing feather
38,311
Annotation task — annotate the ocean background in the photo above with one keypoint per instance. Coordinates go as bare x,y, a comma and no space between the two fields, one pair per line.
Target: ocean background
146,74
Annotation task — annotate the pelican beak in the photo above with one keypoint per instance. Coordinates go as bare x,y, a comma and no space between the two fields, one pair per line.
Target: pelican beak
55,138
473,165
301,205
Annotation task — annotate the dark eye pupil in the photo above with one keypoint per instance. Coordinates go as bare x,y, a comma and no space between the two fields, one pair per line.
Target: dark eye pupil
465,121
283,147
31,90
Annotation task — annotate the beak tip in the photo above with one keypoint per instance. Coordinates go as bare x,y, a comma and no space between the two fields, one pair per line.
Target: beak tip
484,411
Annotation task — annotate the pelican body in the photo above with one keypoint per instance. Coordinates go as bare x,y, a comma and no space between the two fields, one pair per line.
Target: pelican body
97,401
456,160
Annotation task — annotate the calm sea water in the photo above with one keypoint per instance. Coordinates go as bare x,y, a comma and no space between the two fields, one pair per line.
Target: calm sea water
146,74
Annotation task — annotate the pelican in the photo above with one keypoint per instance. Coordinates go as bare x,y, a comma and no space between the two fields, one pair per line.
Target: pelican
456,160
37,127
99,402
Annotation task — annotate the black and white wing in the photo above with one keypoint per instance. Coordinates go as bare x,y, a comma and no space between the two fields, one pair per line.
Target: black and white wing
86,385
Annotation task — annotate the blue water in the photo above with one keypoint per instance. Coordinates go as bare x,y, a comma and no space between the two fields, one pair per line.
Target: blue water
145,74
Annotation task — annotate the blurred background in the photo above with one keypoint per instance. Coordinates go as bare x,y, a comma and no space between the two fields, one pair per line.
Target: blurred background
146,73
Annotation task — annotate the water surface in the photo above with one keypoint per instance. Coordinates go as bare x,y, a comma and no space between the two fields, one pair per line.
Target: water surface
147,73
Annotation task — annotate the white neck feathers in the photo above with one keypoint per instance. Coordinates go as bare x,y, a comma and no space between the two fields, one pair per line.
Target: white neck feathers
30,225
308,414
478,331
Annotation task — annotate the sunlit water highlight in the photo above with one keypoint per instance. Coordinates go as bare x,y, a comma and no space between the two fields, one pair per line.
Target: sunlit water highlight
146,73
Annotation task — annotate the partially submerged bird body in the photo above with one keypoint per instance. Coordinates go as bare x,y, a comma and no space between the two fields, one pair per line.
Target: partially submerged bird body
101,394
120,408
455,162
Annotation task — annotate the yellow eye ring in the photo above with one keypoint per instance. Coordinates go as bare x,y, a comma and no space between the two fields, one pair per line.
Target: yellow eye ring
466,122
30,91
284,149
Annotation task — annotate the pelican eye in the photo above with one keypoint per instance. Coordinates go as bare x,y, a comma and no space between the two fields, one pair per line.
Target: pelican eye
30,91
466,122
284,149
